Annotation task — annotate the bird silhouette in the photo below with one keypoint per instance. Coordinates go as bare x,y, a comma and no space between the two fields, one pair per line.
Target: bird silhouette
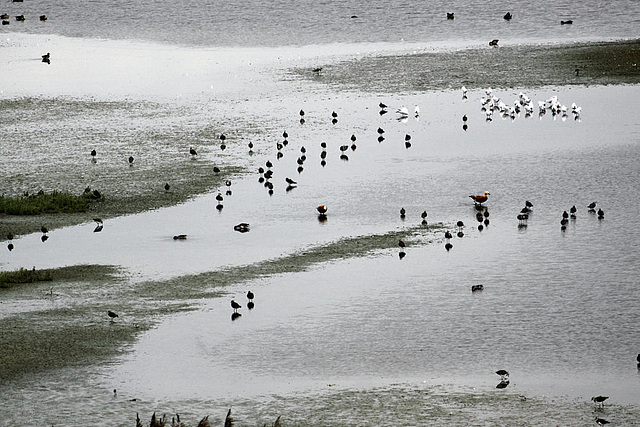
112,315
235,306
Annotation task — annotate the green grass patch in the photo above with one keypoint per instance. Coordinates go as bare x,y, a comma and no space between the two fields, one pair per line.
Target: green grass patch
80,273
9,278
43,203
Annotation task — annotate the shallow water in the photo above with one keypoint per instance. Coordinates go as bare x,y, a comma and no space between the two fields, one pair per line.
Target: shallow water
352,341
558,310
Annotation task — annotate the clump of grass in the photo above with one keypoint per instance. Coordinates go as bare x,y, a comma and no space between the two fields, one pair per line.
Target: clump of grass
43,203
8,278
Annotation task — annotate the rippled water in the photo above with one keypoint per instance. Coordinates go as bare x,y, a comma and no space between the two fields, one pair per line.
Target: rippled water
276,23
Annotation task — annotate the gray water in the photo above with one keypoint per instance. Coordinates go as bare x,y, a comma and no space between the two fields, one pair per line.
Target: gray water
373,340
278,23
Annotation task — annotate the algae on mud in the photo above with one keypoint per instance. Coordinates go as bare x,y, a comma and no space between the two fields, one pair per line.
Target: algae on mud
509,66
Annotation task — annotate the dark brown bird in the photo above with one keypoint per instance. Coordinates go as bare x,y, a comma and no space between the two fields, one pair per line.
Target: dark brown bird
193,152
167,186
250,295
112,315
322,209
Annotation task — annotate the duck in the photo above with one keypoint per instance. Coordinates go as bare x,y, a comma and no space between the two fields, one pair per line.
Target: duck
450,15
494,42
480,198
508,16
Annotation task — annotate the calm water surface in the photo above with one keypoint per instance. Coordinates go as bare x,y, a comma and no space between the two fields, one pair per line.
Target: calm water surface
361,341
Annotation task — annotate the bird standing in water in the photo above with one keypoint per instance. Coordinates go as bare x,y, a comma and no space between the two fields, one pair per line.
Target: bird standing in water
480,198
235,306
599,400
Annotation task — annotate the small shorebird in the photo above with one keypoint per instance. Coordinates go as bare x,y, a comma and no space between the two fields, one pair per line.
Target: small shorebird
250,295
480,198
601,421
592,206
235,306
403,213
494,42
112,315
503,374
166,186
131,159
450,15
193,152
322,209
599,400
475,288
508,16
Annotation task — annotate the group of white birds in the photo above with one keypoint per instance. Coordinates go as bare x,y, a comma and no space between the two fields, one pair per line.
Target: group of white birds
491,104
403,113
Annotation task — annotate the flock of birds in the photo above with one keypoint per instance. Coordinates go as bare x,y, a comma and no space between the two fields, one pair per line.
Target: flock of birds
492,104
176,422
571,214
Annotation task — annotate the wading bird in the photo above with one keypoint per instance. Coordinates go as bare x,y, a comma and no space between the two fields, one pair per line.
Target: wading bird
480,198
235,306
